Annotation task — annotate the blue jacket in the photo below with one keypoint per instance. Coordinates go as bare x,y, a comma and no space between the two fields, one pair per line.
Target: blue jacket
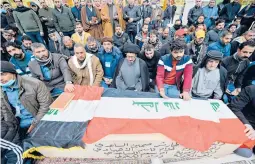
109,64
218,46
21,66
76,12
208,13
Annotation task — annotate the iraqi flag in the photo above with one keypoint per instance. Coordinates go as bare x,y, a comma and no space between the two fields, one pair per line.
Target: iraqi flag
113,117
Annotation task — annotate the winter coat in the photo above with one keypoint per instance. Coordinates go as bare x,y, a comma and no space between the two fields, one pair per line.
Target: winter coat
63,21
248,10
59,71
211,14
27,20
193,14
168,13
146,11
119,41
47,13
213,36
131,12
219,46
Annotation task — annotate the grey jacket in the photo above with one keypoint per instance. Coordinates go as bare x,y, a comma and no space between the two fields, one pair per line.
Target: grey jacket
47,13
131,12
213,36
193,14
146,11
27,21
33,95
192,52
59,69
64,21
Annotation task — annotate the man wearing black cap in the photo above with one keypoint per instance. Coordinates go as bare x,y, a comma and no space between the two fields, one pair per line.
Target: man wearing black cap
132,73
29,98
209,78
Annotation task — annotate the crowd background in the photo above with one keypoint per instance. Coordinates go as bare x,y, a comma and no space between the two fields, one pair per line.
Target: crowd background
137,46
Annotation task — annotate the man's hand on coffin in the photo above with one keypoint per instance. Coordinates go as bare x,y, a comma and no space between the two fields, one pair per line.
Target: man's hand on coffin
69,87
162,93
185,96
250,132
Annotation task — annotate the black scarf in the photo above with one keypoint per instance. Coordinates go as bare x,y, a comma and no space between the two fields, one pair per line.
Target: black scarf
22,9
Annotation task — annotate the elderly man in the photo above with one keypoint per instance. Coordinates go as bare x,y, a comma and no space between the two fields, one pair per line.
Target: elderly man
19,59
27,96
164,37
92,46
109,57
52,69
195,12
68,47
214,85
85,67
132,73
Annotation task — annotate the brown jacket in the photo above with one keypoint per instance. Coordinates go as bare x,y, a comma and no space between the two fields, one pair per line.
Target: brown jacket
33,95
81,76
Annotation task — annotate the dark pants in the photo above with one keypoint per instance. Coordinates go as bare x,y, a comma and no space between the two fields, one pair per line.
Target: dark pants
35,37
132,35
69,33
10,153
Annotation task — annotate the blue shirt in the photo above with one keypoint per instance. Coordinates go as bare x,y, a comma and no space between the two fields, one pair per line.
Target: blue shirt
46,72
25,116
21,66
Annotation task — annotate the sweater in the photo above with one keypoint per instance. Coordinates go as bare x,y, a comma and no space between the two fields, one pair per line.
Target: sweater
27,20
183,68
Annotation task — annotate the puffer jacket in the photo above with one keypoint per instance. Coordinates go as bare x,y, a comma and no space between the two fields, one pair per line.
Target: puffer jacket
33,95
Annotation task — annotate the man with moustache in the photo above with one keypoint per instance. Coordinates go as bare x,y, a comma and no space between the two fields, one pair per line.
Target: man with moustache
214,34
195,12
19,58
120,37
132,72
52,69
164,37
209,77
109,57
80,36
172,68
68,47
236,66
92,46
26,44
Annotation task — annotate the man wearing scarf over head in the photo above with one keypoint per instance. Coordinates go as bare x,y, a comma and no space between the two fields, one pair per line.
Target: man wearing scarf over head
91,20
52,69
86,68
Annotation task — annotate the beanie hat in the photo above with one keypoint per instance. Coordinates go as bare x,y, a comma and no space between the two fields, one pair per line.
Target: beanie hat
213,54
107,39
180,32
131,48
200,34
7,67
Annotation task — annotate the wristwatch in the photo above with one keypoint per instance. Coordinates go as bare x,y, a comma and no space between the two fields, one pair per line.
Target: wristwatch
69,82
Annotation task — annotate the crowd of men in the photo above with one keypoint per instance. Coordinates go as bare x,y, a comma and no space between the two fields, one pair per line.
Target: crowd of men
140,47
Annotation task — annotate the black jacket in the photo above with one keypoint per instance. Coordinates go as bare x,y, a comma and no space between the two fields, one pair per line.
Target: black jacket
151,63
249,76
144,75
119,41
235,69
244,104
223,73
146,11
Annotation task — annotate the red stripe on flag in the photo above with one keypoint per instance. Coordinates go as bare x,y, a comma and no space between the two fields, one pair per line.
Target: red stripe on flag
189,132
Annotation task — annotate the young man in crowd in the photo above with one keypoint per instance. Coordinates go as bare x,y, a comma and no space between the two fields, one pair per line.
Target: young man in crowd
195,12
68,47
8,36
46,15
132,72
223,45
214,34
236,66
211,13
52,69
80,36
109,57
28,22
92,46
26,44
170,70
86,68
55,42
153,40
247,36
209,78
232,28
146,10
14,92
143,36
63,18
151,58
120,37
164,37
177,25
19,59
131,14
197,48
